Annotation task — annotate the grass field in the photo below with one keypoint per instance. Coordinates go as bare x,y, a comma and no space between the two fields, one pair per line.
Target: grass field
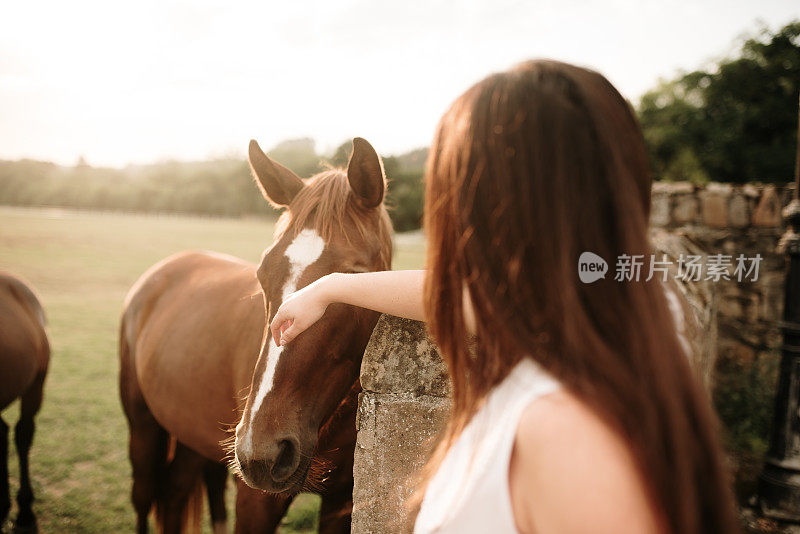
82,264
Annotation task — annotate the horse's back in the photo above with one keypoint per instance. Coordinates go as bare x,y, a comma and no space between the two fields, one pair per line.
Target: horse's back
24,348
193,325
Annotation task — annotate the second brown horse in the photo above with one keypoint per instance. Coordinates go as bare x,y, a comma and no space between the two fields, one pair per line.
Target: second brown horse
24,358
193,346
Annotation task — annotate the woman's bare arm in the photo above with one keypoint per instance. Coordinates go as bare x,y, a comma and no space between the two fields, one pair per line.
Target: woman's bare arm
393,292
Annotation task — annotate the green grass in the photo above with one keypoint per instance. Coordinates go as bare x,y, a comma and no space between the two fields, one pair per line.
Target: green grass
82,265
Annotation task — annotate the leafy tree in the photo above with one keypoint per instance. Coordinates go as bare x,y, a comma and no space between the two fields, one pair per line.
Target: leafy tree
736,122
341,155
300,155
405,197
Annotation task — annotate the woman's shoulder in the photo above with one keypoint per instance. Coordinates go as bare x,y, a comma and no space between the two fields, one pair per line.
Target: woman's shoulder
570,472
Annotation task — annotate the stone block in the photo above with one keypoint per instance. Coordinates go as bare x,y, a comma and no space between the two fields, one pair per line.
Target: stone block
401,358
772,295
731,307
719,188
659,209
738,211
660,187
395,438
673,187
750,190
768,211
714,208
685,210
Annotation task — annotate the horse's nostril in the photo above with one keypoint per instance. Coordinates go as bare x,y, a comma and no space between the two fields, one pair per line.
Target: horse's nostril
256,469
286,462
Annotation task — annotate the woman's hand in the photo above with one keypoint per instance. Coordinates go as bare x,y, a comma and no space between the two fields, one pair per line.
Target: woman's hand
300,310
393,292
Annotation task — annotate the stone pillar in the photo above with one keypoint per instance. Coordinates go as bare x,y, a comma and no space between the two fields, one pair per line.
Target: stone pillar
403,406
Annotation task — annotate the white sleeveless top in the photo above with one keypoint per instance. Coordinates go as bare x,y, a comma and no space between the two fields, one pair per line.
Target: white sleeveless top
469,492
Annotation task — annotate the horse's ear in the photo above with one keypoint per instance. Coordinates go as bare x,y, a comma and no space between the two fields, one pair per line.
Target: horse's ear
278,184
365,174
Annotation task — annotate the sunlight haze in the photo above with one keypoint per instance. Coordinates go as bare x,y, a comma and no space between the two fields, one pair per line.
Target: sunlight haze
136,82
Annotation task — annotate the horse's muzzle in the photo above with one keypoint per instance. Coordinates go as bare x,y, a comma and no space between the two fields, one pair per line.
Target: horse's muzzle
277,467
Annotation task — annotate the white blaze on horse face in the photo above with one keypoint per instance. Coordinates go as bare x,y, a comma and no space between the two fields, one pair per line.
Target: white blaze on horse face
306,248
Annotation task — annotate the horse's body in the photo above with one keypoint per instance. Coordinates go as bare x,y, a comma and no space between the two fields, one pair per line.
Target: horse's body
193,320
191,339
24,357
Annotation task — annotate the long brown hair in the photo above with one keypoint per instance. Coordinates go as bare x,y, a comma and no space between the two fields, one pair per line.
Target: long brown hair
529,168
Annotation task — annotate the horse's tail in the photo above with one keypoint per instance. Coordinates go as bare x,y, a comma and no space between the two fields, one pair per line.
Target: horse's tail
191,514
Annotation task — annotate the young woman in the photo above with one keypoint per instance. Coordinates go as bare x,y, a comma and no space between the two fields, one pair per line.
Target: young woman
574,407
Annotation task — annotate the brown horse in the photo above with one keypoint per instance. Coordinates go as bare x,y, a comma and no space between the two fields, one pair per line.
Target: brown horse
24,356
194,345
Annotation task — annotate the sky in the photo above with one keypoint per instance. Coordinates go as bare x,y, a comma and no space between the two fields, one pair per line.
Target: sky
143,81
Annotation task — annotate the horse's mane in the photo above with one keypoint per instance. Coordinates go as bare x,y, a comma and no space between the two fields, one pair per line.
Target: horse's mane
328,205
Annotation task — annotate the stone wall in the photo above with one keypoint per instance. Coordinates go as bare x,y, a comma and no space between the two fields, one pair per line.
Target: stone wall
405,399
732,220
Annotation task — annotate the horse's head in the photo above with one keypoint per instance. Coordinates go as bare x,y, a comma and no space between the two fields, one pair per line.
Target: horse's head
335,222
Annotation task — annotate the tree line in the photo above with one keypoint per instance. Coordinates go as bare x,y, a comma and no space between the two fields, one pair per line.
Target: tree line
222,187
734,121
